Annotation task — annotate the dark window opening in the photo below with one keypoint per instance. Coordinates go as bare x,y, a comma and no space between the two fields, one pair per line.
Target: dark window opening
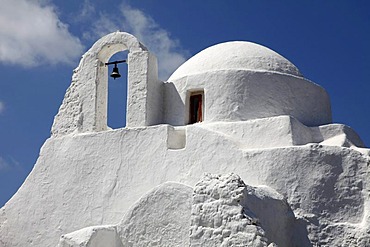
196,108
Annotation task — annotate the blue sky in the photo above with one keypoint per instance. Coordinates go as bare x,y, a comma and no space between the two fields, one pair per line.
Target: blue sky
41,42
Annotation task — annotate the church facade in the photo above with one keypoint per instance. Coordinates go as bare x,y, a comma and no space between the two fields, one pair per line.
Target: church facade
236,148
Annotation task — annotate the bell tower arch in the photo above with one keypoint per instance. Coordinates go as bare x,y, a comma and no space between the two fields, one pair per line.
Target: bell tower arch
84,108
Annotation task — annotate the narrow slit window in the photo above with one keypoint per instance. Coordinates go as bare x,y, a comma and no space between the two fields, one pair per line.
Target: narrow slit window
196,108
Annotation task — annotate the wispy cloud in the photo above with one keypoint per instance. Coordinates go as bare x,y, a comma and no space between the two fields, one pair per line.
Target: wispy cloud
85,13
9,164
31,33
88,9
101,26
2,107
168,50
3,164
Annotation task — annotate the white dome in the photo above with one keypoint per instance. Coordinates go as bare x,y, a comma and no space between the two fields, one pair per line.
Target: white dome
238,55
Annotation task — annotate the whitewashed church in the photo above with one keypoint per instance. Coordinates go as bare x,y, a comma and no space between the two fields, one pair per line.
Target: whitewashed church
236,148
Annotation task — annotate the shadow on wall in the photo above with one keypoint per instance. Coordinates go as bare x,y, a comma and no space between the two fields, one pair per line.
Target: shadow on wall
245,215
174,106
275,216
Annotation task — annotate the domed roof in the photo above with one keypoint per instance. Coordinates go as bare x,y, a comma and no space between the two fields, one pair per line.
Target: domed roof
239,55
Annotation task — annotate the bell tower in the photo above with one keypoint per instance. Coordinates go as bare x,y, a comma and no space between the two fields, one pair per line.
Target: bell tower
84,108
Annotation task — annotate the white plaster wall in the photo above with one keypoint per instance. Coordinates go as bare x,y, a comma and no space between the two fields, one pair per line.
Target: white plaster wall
174,111
154,101
236,55
238,95
160,218
258,133
144,97
326,186
283,131
84,108
221,210
351,138
273,215
219,219
84,177
94,236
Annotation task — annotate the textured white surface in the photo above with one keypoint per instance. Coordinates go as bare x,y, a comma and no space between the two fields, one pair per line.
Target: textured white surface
84,108
86,176
95,236
250,82
234,94
159,218
220,211
93,179
283,131
236,55
274,215
217,216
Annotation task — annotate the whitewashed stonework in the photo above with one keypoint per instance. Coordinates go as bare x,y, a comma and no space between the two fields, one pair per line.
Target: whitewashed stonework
265,167
244,81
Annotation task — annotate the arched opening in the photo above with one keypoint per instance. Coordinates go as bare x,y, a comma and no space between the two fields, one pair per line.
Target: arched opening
86,103
117,93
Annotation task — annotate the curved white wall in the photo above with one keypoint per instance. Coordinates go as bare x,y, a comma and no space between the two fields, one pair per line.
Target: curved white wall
236,55
238,95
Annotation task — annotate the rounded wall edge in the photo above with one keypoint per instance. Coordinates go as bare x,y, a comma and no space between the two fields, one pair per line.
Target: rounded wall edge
84,105
240,95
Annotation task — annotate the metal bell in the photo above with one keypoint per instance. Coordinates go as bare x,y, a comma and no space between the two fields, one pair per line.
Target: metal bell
115,73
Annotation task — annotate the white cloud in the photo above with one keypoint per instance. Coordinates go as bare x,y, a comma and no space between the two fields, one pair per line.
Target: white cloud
2,107
168,50
3,164
31,34
88,9
9,164
85,13
102,26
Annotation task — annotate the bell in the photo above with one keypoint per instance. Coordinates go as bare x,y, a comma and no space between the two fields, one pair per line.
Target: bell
115,74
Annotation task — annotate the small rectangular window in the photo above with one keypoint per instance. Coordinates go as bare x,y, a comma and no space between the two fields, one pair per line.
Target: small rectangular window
196,107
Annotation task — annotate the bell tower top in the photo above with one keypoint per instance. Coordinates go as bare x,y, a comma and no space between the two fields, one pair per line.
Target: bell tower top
84,108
